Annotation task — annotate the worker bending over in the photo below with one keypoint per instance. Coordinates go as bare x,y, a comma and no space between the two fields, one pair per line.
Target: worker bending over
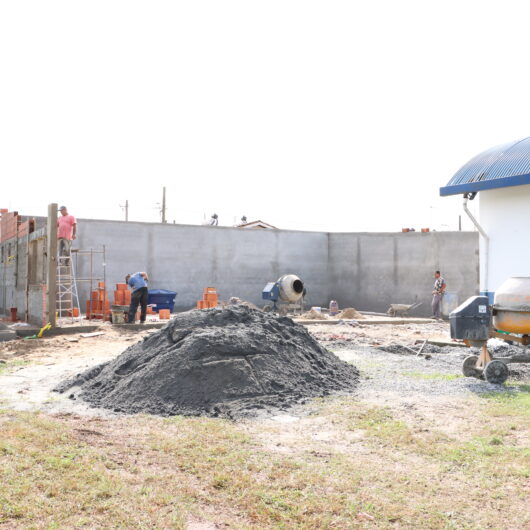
137,283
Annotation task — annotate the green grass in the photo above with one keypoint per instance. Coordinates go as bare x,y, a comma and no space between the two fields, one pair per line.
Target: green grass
492,452
515,403
146,472
378,422
272,490
9,366
432,376
49,479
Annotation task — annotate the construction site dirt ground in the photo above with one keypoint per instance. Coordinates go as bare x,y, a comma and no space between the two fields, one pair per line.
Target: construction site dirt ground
416,445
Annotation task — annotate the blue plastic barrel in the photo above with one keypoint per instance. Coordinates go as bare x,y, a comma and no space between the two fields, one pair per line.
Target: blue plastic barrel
161,299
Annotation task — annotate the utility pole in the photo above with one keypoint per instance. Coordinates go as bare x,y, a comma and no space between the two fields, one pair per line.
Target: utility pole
51,272
126,208
164,204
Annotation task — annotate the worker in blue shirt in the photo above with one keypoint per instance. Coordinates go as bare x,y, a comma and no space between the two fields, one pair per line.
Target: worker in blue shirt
137,283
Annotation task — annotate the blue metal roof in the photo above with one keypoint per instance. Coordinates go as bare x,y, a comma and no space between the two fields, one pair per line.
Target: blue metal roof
498,167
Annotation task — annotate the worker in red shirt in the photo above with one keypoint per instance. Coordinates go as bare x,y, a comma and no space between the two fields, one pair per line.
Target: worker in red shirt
66,232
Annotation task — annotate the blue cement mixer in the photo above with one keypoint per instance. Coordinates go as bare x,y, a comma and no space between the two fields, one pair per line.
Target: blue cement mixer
289,289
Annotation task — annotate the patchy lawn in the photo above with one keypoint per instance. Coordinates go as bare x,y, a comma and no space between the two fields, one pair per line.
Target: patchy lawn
348,465
9,366
418,447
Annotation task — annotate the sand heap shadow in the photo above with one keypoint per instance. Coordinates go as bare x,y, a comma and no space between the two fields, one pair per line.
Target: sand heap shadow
219,362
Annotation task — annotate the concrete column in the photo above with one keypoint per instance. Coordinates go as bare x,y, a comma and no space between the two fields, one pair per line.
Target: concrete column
51,273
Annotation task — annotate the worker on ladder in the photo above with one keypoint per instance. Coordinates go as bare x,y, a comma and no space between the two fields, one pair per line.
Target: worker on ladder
66,233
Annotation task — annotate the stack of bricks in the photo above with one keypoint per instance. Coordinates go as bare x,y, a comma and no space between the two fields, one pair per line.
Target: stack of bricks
98,307
11,225
164,314
122,295
8,224
209,299
27,227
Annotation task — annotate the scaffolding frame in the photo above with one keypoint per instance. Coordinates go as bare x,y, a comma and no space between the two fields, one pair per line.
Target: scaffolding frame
64,290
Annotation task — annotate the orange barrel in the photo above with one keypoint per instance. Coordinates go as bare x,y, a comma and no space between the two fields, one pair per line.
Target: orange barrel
511,306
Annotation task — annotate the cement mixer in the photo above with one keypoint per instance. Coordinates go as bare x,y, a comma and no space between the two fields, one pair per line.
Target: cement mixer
288,289
475,321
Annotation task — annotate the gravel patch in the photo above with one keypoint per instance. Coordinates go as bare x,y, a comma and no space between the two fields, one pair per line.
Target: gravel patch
439,374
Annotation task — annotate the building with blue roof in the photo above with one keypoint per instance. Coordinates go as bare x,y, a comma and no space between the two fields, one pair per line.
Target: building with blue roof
500,179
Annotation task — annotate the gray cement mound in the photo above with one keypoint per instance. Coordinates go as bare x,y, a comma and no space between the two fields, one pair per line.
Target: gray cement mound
219,362
7,334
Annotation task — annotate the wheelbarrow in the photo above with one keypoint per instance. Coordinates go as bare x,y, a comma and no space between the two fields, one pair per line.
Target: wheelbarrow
401,310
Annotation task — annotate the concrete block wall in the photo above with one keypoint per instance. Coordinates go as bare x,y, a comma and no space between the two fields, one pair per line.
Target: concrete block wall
13,276
186,259
8,291
13,285
364,270
372,270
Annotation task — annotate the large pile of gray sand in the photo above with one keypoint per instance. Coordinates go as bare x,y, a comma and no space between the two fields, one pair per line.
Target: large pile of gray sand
217,362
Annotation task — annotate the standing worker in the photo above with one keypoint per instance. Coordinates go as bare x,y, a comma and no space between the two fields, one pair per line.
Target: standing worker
437,295
214,220
137,282
66,233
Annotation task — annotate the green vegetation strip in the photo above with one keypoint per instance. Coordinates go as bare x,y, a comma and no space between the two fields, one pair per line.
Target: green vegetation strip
145,472
515,402
10,366
436,376
51,480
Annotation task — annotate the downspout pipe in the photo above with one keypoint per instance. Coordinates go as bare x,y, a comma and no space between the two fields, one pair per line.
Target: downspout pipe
486,241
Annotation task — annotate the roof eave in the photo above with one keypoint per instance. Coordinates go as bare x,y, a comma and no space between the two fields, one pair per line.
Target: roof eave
458,189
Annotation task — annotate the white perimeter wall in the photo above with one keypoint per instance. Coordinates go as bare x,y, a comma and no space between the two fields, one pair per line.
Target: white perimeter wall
368,271
505,216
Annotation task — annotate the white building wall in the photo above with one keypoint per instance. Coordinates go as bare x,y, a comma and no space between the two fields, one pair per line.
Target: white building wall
504,214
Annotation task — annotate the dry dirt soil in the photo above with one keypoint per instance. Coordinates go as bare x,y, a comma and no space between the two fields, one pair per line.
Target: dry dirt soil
416,446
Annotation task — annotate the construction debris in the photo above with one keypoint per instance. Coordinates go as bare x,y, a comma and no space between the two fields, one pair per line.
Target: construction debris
226,362
439,342
367,322
421,347
350,313
402,349
6,334
313,315
234,300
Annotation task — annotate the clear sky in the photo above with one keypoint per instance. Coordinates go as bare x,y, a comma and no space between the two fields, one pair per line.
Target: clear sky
329,115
